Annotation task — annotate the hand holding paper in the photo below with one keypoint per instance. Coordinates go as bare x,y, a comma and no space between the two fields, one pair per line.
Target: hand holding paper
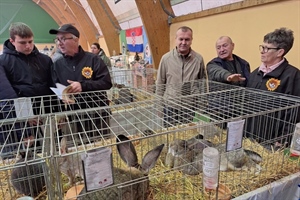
63,93
75,86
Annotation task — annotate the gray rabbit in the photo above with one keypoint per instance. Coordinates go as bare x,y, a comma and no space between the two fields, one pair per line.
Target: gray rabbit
28,178
138,189
187,156
240,159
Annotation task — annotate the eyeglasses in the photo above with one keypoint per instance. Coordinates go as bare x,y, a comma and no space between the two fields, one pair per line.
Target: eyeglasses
266,49
62,40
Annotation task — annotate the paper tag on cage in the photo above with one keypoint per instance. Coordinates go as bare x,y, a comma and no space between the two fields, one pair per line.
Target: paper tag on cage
234,135
23,107
97,165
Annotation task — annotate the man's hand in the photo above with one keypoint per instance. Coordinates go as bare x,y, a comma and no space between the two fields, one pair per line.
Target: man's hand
75,87
235,78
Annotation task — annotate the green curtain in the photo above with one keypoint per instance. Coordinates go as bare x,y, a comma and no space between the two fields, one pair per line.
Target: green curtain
30,13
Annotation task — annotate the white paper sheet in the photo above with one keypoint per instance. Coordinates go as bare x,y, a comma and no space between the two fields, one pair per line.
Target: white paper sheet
58,90
235,135
23,107
98,168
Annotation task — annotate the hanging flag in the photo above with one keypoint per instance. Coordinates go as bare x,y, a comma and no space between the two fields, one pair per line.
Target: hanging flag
134,38
123,44
147,51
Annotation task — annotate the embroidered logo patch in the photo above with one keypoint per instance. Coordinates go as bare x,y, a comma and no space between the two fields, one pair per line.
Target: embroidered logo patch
272,84
87,72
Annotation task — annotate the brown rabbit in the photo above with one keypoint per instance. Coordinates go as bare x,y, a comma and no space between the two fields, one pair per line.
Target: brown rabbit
69,165
135,176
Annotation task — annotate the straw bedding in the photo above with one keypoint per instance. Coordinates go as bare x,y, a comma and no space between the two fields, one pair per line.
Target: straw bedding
166,183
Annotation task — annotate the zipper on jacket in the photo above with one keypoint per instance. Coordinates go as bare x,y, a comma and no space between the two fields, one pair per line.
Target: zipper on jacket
73,68
182,68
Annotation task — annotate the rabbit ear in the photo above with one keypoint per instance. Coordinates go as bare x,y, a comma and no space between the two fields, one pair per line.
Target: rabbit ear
63,146
150,158
254,156
127,151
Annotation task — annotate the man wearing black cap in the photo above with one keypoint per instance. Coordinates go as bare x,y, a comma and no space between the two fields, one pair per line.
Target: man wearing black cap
84,72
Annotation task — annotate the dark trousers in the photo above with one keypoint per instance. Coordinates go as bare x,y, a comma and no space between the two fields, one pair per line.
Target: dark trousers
174,116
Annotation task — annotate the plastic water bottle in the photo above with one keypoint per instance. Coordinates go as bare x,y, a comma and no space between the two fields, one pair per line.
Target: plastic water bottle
295,145
211,167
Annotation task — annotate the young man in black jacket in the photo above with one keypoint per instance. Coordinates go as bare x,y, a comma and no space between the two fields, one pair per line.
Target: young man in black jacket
24,72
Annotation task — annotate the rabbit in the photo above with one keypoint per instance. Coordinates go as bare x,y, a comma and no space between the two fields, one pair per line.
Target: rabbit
139,189
186,155
70,165
28,179
240,159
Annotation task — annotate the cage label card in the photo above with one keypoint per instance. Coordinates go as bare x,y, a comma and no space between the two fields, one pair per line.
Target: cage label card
23,107
234,135
97,165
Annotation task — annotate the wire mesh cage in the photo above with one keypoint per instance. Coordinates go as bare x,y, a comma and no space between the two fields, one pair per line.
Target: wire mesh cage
176,129
268,124
23,168
123,77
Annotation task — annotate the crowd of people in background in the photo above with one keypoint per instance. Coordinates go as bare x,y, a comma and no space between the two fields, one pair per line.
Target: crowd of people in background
25,72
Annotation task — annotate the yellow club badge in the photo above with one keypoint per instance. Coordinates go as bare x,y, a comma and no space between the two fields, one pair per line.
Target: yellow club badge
272,84
87,72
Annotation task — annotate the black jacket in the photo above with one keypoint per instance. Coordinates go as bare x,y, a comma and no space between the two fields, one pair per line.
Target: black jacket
24,75
288,75
284,79
217,70
89,70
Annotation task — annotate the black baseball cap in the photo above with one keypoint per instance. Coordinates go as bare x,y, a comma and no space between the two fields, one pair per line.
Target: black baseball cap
66,28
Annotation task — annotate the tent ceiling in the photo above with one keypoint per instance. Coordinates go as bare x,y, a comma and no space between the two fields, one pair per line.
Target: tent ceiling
128,16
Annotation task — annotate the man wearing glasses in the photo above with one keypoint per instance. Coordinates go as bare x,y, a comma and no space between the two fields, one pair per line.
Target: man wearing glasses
83,72
228,67
275,74
24,72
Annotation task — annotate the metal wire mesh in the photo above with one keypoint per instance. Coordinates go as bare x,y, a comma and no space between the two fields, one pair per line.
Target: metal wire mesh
148,120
